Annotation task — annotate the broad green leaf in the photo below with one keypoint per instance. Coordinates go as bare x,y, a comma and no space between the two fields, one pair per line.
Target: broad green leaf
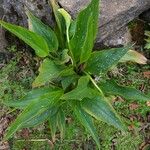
40,118
37,120
31,111
34,40
67,81
85,32
102,110
72,29
60,28
94,7
31,96
64,57
67,18
111,88
61,122
87,46
86,120
102,61
134,56
47,71
81,91
58,17
67,72
37,26
53,125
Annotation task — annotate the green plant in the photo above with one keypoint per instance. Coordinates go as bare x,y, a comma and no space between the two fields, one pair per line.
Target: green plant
147,33
68,73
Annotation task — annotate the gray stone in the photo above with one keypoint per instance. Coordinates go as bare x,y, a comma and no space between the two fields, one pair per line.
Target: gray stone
3,42
115,15
15,10
121,37
1,10
145,16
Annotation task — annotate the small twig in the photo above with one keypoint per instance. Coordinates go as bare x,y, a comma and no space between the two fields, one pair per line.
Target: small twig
35,140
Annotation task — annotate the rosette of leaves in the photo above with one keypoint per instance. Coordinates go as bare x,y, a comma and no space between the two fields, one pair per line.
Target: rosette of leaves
66,74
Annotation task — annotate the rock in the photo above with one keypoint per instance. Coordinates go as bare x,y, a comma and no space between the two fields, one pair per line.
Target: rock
15,10
122,37
115,15
145,16
1,10
3,42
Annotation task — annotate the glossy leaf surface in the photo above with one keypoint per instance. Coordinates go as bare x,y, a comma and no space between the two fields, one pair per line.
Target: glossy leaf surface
40,118
37,26
34,40
102,61
67,19
60,28
33,95
112,88
85,32
86,120
61,122
81,91
67,81
47,71
100,109
53,125
32,110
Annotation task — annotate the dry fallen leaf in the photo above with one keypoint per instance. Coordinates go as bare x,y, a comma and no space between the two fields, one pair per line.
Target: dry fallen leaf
148,103
133,106
131,127
134,56
146,74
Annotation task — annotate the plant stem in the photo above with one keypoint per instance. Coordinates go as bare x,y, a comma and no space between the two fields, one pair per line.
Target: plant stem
72,57
36,140
94,83
67,33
